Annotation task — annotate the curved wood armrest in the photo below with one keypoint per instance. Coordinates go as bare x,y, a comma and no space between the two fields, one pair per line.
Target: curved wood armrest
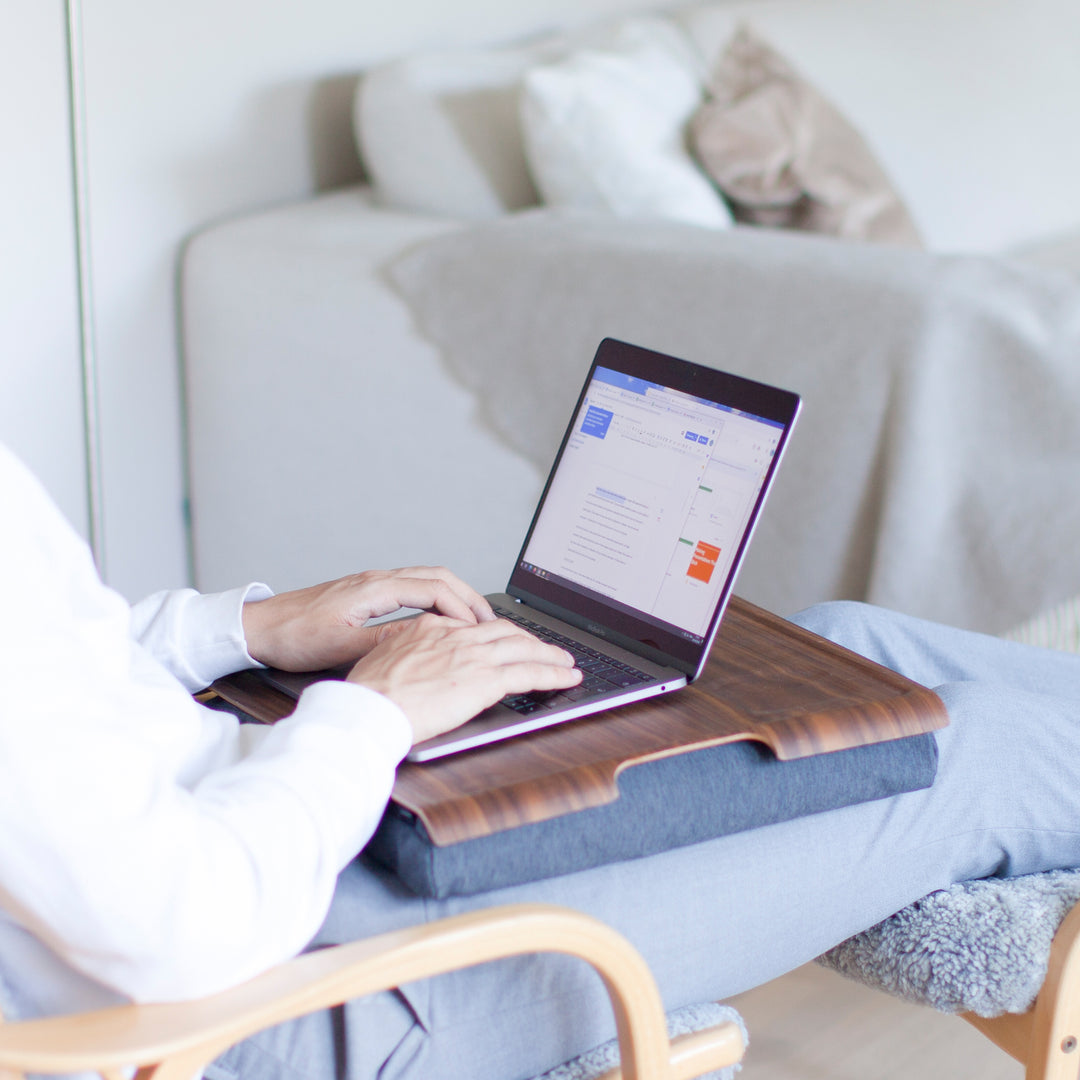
175,1041
1046,1039
1055,1031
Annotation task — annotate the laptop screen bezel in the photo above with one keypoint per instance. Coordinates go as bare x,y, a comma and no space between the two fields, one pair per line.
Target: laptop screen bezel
600,615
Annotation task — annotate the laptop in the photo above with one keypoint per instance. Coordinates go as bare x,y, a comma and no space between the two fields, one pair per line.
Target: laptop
633,550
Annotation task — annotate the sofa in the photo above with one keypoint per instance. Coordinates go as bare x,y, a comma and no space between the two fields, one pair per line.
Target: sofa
379,375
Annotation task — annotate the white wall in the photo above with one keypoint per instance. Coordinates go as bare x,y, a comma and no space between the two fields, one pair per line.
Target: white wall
194,111
40,381
197,110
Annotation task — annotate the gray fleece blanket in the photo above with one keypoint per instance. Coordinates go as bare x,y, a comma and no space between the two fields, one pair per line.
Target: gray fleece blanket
936,466
981,947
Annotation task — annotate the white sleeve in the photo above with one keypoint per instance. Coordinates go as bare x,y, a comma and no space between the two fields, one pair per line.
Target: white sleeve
151,843
163,888
197,637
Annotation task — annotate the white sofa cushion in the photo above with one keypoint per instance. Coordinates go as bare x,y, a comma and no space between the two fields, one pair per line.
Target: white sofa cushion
970,105
605,130
439,132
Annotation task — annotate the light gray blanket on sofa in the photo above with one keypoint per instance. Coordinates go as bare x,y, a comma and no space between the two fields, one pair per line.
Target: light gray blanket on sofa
937,464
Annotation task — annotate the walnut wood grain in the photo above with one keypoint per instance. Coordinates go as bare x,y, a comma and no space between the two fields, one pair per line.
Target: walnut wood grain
766,680
247,691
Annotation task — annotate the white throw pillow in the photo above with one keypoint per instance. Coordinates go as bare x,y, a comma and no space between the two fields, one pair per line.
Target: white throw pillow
605,130
972,107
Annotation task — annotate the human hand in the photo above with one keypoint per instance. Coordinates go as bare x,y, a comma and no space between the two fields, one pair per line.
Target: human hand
324,625
442,672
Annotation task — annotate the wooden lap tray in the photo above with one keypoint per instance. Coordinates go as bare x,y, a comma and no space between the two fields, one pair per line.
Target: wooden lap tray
766,680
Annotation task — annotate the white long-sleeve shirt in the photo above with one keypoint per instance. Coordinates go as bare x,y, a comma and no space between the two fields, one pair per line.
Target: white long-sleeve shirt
150,844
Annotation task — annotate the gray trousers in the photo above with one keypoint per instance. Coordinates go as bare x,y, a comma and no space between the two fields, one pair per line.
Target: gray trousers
719,917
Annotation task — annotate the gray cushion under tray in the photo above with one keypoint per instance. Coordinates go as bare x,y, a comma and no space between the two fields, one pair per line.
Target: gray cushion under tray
662,804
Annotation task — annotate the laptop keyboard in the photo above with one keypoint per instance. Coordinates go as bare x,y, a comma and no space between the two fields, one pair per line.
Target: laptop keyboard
602,674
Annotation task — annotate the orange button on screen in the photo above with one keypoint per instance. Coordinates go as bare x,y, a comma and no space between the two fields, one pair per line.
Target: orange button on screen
703,563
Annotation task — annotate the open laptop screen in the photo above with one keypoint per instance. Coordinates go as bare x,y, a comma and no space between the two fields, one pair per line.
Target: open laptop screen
652,499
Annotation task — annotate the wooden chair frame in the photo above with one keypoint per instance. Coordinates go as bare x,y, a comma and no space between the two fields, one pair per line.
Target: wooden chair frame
1046,1039
176,1041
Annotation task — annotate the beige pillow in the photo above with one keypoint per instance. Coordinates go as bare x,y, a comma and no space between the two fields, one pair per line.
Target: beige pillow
784,157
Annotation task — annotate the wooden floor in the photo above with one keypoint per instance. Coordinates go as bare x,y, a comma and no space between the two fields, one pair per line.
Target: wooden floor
815,1025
